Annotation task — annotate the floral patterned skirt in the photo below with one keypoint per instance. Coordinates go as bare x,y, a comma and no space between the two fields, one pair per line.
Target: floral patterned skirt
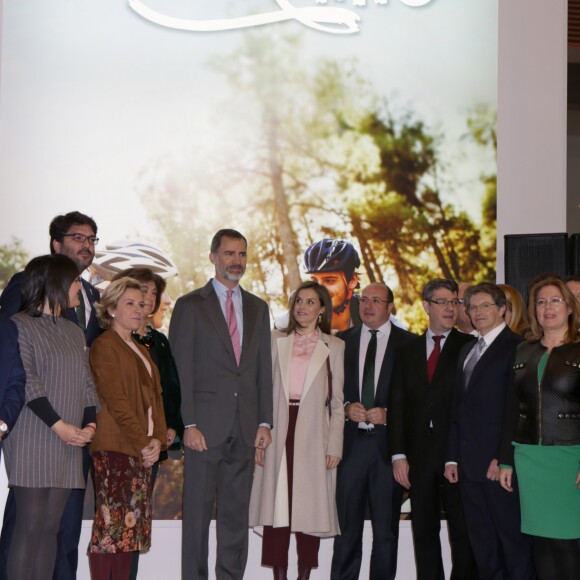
122,504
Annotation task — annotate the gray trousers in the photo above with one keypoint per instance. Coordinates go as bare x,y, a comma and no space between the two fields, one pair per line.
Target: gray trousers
222,474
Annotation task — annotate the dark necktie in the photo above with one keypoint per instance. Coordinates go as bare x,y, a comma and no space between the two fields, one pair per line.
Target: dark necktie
80,312
434,356
368,386
475,356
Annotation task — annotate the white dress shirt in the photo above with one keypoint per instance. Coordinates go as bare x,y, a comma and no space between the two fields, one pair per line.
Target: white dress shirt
383,333
489,338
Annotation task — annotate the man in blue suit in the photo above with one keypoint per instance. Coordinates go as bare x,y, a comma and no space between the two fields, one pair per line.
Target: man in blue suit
12,377
365,473
74,235
484,370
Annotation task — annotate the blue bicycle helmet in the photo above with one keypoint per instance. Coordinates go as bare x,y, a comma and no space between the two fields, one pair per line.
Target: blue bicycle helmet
332,255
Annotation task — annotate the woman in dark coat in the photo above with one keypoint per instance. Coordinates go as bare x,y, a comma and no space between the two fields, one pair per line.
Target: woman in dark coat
542,419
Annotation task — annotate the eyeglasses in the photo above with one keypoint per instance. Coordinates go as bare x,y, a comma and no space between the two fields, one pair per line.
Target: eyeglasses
485,306
461,301
444,303
81,238
373,300
543,302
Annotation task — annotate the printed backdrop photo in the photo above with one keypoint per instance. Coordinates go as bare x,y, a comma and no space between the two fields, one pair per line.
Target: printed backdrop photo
292,121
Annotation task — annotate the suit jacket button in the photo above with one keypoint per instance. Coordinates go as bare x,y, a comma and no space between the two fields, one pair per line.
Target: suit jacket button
235,394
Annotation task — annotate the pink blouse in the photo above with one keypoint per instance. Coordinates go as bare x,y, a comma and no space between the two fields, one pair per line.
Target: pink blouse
303,346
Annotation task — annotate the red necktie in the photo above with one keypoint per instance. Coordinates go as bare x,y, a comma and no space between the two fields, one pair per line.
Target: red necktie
434,356
232,321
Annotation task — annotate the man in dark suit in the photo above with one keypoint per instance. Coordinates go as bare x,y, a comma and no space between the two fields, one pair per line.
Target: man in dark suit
74,235
483,374
419,411
12,377
365,474
220,338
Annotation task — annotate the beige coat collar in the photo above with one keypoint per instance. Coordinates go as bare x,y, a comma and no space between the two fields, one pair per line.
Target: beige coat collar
318,358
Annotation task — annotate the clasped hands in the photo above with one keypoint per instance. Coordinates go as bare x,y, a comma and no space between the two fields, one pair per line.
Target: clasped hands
73,435
356,412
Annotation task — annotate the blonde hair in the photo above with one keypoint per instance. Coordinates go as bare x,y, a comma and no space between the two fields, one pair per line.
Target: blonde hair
515,304
536,331
110,298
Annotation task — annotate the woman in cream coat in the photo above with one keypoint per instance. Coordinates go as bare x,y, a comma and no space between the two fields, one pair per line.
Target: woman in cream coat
295,480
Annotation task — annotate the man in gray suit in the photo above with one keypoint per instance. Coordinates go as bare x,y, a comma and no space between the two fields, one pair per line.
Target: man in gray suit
220,338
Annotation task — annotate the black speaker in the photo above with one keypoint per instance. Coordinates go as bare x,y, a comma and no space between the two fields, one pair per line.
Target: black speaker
529,255
574,255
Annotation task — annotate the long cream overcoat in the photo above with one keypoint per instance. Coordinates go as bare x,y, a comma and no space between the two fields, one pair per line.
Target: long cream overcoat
314,502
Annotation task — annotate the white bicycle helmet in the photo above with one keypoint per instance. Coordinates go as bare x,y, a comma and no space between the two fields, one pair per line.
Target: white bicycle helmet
119,256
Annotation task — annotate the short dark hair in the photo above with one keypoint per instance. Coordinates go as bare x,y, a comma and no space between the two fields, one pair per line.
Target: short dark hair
496,293
61,224
573,278
435,284
48,279
216,241
323,296
145,275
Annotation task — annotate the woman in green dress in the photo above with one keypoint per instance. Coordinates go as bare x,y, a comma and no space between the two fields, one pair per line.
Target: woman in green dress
542,424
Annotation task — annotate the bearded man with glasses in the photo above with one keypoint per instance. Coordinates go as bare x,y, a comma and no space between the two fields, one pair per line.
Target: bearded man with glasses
74,235
484,371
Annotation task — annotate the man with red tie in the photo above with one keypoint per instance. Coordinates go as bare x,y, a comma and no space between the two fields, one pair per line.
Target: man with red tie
419,413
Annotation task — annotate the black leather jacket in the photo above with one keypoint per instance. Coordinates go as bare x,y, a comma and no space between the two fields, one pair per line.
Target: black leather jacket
548,411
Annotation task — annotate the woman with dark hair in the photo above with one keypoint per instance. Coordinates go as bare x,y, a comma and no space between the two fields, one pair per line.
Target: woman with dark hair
43,452
542,421
132,433
295,480
152,287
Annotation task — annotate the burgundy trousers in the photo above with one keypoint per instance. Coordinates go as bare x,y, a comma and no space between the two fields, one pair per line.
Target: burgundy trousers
276,542
110,566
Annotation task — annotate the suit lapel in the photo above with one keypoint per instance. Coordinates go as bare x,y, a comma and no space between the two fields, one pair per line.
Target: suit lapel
249,314
388,360
489,354
420,357
215,316
351,367
284,346
446,357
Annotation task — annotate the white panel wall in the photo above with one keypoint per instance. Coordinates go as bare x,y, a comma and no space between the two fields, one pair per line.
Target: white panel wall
532,119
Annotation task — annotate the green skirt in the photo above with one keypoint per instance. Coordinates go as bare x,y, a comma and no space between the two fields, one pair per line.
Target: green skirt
549,497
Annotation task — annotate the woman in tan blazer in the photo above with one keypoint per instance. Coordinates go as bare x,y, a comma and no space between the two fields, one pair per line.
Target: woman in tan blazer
295,479
131,429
